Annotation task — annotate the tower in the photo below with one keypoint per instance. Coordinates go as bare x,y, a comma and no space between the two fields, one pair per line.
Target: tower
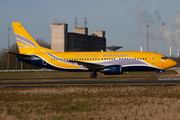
59,36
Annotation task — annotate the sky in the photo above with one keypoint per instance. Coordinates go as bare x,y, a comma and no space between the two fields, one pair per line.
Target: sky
124,21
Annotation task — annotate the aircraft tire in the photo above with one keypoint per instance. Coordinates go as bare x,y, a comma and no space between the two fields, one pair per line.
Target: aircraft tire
156,75
93,75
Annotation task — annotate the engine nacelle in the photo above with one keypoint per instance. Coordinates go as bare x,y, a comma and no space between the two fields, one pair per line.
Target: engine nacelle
112,70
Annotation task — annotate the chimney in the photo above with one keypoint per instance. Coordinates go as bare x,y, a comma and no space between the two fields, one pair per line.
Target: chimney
177,51
141,48
170,51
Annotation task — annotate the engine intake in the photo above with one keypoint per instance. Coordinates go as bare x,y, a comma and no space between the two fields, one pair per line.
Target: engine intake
112,70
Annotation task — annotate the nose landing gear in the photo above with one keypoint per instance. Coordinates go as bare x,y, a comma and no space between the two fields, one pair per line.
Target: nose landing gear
156,74
159,71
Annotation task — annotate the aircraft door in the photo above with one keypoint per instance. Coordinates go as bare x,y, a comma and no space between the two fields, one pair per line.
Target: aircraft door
153,59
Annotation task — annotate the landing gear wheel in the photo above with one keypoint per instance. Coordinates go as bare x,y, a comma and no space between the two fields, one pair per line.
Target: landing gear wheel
156,75
93,75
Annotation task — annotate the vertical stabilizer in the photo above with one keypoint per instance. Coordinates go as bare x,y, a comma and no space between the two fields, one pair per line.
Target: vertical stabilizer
25,41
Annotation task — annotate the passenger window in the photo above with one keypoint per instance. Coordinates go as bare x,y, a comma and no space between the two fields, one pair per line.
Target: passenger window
87,58
101,58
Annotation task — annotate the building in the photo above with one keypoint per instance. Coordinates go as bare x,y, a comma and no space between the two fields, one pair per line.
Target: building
78,40
59,36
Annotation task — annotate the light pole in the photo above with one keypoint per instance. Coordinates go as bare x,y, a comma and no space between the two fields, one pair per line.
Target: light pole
163,36
8,45
147,37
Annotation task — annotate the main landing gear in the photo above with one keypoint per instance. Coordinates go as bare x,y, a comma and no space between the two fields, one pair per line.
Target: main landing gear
93,75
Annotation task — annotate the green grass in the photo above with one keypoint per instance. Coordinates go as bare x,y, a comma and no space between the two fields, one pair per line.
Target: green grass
62,74
77,76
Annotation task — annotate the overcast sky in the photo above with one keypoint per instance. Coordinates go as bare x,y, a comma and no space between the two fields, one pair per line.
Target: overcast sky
124,21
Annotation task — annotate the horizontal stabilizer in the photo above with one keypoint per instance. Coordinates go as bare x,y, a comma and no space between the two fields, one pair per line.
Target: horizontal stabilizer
17,54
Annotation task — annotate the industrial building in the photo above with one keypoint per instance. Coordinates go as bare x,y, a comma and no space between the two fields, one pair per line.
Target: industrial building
78,40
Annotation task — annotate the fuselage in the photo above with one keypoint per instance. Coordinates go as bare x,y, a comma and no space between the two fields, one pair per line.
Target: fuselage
129,61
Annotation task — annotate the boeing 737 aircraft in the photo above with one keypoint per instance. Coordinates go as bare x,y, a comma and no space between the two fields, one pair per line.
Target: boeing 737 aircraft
110,63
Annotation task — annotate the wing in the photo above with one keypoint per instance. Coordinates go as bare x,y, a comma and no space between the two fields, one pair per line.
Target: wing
91,66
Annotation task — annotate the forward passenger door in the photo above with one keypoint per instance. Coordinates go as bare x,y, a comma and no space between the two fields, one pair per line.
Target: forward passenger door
153,59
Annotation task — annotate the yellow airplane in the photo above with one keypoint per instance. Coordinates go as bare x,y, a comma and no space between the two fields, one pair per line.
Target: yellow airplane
110,63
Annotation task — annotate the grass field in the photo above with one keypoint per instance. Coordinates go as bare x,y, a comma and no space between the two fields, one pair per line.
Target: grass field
62,74
88,103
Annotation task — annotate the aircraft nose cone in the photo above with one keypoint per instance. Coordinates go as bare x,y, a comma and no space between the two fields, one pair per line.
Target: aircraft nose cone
173,63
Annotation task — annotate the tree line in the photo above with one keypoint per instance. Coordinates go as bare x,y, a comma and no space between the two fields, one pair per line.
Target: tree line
14,64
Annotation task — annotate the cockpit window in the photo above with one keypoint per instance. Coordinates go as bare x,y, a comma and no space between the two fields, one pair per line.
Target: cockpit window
165,57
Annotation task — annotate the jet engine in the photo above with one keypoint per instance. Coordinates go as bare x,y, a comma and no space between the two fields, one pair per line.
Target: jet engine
112,70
